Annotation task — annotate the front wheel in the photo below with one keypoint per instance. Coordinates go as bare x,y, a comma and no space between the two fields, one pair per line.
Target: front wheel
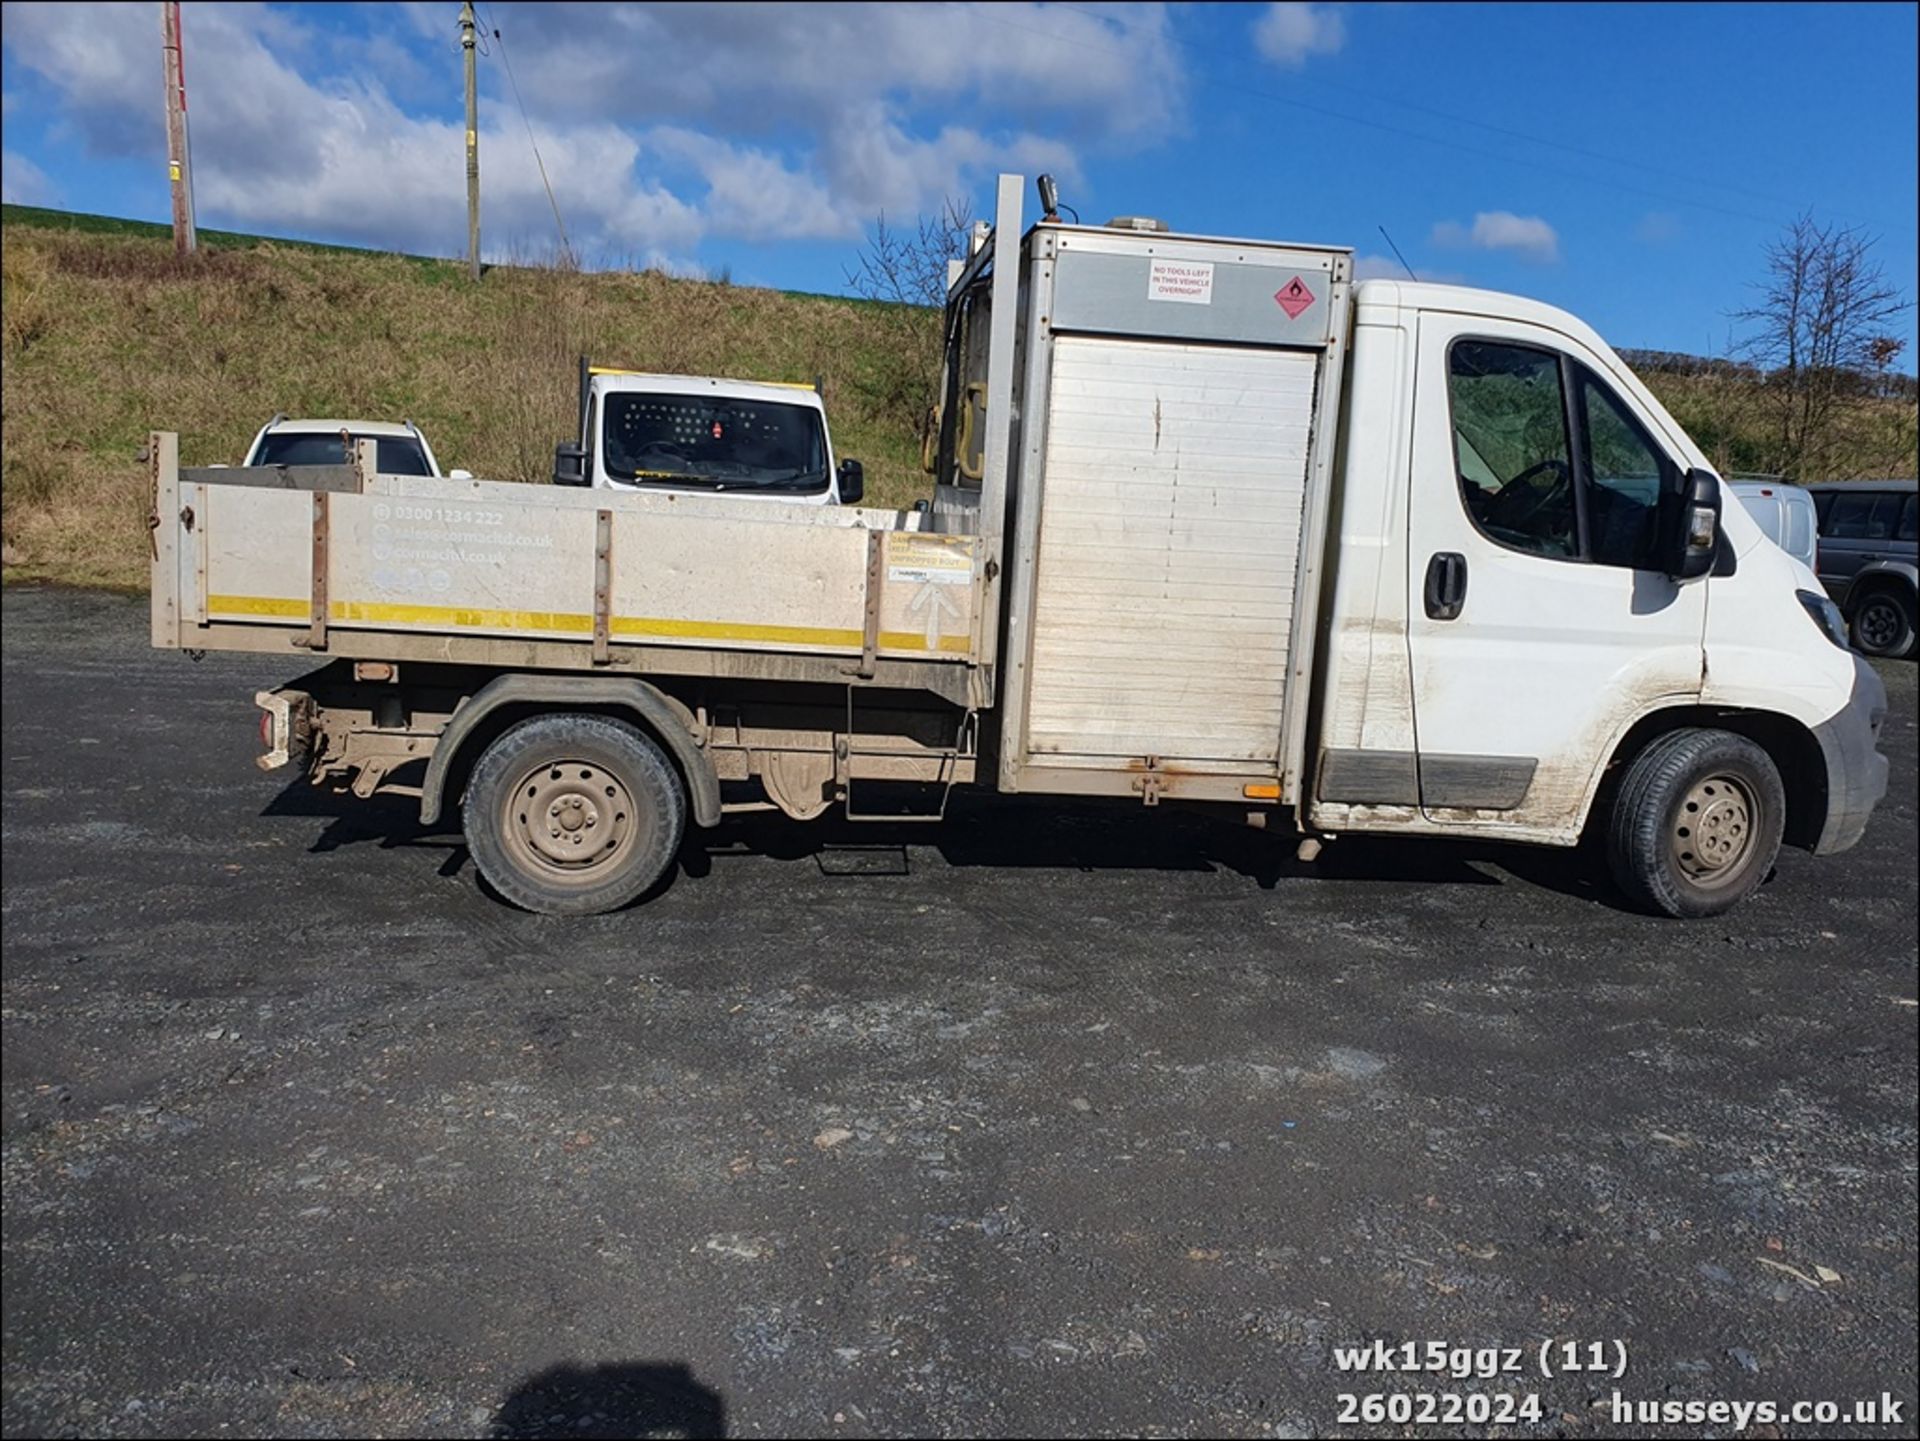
573,814
1696,823
1883,624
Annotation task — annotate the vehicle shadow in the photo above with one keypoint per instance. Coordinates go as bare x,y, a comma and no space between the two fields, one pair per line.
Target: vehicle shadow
1014,832
631,1398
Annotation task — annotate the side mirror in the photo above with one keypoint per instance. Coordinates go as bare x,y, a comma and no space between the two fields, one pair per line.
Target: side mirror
853,482
459,475
569,464
1692,530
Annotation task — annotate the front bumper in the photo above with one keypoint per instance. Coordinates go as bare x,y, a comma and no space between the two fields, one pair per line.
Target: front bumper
1856,771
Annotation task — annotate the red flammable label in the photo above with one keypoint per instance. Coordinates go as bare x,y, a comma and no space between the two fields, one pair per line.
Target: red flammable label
1294,297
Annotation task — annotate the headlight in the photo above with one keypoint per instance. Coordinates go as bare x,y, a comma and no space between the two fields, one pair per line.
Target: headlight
1826,615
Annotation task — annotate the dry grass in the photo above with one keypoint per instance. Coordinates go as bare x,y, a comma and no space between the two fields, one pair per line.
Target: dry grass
107,338
1732,422
104,337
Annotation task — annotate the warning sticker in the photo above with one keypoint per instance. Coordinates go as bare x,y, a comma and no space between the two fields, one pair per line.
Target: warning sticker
1294,297
1187,281
929,559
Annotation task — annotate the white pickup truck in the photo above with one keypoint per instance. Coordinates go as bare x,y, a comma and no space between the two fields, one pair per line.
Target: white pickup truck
702,434
1212,526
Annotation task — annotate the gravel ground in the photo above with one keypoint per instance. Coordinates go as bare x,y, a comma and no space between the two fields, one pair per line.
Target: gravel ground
1051,1122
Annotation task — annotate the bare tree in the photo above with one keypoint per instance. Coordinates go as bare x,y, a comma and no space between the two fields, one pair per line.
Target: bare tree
910,268
1820,333
906,271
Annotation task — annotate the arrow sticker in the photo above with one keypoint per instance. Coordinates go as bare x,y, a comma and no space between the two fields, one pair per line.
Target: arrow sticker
933,600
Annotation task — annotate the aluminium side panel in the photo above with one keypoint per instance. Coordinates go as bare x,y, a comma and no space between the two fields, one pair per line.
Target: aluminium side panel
1179,413
1169,542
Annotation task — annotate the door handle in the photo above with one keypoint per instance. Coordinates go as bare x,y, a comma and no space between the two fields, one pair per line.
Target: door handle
1446,590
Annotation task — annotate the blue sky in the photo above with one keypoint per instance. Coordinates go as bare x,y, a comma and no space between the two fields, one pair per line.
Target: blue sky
1627,162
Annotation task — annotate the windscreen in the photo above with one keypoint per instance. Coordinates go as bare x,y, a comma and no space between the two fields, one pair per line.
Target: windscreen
713,442
395,455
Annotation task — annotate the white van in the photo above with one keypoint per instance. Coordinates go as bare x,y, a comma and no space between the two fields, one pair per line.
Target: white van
1785,515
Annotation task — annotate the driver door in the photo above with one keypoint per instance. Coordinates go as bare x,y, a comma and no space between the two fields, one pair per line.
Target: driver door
1538,629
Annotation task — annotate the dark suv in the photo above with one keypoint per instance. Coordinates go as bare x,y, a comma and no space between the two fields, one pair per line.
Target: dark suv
1866,559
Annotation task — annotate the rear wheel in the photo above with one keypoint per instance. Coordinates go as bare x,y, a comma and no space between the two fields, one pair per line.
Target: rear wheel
1883,624
572,815
1696,823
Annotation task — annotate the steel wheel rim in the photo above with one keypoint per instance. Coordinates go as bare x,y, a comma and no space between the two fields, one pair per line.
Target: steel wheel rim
1712,834
1879,623
569,820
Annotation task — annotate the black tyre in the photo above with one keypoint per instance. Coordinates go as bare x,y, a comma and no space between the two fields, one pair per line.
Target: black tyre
573,814
1883,623
1696,823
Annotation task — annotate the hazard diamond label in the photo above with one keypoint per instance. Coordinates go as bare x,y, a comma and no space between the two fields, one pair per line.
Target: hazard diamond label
1294,297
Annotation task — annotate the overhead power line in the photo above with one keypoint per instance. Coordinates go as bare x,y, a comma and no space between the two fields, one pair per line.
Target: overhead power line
1691,202
1377,98
566,250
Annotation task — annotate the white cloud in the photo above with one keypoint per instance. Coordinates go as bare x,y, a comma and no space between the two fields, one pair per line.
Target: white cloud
752,192
1289,33
22,182
1527,236
661,125
760,68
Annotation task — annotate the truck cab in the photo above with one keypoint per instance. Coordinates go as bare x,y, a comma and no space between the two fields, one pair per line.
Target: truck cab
705,435
1516,621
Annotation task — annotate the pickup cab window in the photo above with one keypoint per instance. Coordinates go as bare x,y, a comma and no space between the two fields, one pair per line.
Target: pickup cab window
1623,472
1569,482
1510,445
395,455
713,443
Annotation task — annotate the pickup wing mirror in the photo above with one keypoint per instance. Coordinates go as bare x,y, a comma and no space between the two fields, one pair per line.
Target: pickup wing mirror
458,474
1692,529
569,464
853,482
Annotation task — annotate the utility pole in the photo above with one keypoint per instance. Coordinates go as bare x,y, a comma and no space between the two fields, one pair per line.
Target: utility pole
467,42
179,166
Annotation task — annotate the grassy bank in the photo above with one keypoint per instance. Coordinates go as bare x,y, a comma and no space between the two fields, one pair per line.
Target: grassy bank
106,337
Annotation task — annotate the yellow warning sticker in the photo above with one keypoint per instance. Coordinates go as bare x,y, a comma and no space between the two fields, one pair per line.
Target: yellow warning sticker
929,559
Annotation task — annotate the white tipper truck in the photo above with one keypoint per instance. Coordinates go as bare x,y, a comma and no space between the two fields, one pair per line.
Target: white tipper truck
1212,525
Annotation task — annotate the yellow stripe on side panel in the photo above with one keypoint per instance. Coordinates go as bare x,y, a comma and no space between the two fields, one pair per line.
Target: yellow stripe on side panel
917,640
637,627
721,630
258,605
459,617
